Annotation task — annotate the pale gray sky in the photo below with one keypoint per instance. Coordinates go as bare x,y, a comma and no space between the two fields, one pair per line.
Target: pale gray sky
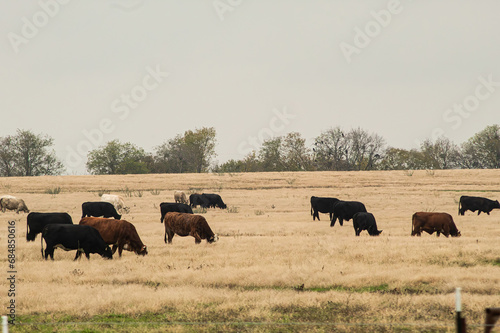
144,71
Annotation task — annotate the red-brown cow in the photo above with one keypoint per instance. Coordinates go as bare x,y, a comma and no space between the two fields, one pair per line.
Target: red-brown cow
120,233
184,224
434,222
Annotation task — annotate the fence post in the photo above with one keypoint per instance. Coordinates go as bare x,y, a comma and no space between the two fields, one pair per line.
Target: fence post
5,324
460,322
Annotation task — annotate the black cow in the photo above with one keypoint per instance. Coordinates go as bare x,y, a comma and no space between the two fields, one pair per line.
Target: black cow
476,203
214,200
166,207
35,222
82,238
198,200
98,209
322,205
345,210
365,221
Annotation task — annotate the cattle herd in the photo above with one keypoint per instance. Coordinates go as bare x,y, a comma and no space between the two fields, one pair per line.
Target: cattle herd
440,223
101,224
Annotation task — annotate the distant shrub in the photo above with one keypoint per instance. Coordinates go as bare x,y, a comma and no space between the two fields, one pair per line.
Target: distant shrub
233,209
155,192
259,212
54,190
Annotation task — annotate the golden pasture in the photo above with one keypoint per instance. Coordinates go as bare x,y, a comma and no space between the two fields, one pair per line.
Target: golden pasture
272,263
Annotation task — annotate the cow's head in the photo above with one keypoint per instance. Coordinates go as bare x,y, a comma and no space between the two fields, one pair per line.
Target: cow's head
143,251
213,239
106,253
458,234
376,232
497,204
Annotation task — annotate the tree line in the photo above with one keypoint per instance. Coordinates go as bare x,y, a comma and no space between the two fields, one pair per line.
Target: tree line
29,154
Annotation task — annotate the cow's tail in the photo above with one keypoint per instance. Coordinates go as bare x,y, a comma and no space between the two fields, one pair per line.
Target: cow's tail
413,224
41,243
27,231
311,209
459,206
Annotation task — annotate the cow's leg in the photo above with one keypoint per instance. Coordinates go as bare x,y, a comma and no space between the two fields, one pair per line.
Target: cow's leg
87,255
78,254
113,249
333,220
341,221
478,212
197,238
488,213
120,250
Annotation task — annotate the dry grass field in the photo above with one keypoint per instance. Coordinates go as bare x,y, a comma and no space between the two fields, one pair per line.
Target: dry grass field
273,268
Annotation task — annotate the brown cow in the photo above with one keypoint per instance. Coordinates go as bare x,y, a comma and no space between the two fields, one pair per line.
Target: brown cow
12,203
430,222
120,233
184,224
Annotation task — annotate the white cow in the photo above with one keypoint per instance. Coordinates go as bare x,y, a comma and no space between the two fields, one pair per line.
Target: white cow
8,202
180,196
117,201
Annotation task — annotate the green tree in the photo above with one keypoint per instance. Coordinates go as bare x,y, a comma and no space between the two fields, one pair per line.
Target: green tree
8,165
441,154
191,152
482,151
28,154
117,158
270,155
249,163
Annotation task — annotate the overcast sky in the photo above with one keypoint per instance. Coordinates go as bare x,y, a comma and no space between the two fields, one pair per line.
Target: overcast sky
87,72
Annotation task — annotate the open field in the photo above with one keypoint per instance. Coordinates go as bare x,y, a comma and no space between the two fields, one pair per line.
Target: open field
273,269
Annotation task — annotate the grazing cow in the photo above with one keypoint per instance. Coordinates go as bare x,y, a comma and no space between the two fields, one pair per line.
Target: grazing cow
81,238
214,200
345,210
434,222
365,221
119,233
35,222
322,205
476,203
98,209
117,201
12,203
166,207
180,197
196,199
184,224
